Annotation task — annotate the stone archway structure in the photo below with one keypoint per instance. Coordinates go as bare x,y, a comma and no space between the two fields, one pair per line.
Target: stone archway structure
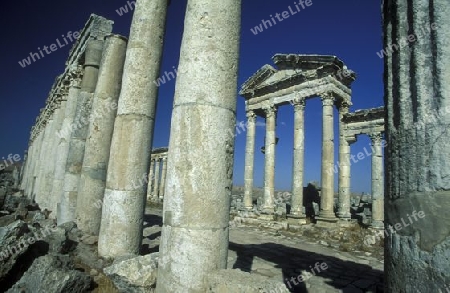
157,174
369,122
295,79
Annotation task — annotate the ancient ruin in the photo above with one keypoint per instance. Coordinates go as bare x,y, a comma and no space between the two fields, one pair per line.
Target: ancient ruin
90,167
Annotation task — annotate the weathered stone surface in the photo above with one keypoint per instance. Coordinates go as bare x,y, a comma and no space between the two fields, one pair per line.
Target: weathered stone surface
135,275
237,281
52,273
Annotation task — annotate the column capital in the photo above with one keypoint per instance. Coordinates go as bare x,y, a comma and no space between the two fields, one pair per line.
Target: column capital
327,99
344,107
299,103
164,159
270,110
376,137
251,115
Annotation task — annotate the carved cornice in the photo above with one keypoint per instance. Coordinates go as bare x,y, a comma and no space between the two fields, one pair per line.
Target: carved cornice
327,99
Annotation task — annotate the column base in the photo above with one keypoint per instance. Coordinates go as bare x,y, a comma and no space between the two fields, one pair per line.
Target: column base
327,214
268,210
294,219
327,222
377,225
344,215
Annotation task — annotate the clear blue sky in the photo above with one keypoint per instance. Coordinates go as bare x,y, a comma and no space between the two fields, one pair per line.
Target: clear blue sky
349,29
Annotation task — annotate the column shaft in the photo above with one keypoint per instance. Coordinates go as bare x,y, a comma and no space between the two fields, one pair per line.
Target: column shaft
377,182
133,133
344,168
200,161
327,194
151,173
298,158
163,178
93,55
249,160
269,167
157,178
98,143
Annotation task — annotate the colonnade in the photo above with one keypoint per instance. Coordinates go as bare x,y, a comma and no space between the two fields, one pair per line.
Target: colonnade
157,175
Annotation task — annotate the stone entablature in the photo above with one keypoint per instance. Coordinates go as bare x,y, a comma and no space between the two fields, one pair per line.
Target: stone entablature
97,27
297,77
157,174
367,121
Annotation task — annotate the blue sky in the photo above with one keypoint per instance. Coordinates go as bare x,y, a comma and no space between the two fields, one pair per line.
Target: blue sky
349,29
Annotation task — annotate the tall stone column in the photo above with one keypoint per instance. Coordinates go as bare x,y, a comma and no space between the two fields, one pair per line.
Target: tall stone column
299,155
200,163
41,196
124,202
30,191
249,160
417,166
150,179
74,79
157,178
54,144
327,194
93,56
344,167
163,178
98,143
377,182
269,167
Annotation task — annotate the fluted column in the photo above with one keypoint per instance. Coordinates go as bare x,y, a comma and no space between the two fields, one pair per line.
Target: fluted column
269,167
344,167
377,181
98,142
151,173
163,178
298,158
417,95
157,178
133,133
200,161
41,196
249,160
327,194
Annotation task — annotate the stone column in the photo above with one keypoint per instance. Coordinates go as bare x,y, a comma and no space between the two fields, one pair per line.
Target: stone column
50,175
299,155
327,194
377,182
133,133
200,164
151,173
163,178
93,56
156,182
98,142
269,167
249,159
417,166
344,167
36,153
41,197
64,135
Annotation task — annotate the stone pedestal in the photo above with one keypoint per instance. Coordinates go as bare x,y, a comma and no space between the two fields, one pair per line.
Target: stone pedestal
195,232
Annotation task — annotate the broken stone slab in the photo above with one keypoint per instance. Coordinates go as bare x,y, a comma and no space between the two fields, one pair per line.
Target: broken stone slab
135,275
52,273
237,281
